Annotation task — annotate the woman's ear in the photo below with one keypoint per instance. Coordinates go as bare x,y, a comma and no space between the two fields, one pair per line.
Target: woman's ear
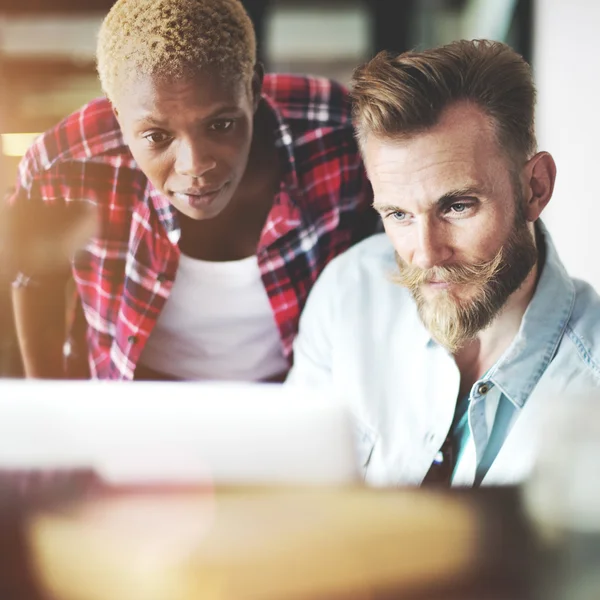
257,81
116,113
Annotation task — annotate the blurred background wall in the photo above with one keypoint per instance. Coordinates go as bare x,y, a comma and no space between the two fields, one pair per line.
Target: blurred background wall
567,70
47,46
47,71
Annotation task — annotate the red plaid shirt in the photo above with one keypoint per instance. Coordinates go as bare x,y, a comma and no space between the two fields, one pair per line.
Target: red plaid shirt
125,275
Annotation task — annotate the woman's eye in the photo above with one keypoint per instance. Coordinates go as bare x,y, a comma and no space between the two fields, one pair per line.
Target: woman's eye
222,125
157,137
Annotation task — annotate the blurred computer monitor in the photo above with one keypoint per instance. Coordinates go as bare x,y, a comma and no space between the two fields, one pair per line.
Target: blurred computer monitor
164,432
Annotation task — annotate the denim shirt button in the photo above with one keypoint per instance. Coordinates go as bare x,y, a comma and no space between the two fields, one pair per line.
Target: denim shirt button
483,389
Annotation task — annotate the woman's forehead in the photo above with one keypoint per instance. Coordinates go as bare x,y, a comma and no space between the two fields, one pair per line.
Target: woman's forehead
204,84
163,94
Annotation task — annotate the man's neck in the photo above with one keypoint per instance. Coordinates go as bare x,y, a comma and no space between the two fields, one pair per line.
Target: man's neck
478,356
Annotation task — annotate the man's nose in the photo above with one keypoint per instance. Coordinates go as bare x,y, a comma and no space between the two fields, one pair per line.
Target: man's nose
433,247
194,159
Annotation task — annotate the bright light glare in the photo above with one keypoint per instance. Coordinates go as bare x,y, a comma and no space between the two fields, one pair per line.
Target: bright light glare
16,144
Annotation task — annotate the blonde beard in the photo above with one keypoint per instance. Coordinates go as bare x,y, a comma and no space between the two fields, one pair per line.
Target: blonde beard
454,321
451,323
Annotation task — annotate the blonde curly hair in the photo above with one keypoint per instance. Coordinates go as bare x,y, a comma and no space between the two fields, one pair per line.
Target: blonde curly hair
174,38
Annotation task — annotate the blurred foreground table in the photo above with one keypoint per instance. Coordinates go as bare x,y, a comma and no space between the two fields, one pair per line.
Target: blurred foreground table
89,542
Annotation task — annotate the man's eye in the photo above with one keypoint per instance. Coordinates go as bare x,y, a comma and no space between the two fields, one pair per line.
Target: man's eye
397,215
222,125
459,207
157,137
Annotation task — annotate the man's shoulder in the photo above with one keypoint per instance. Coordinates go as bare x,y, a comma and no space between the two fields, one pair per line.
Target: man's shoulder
86,134
369,263
583,327
315,100
375,248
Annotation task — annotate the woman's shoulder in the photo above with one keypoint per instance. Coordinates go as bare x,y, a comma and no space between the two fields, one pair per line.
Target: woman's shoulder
88,133
308,98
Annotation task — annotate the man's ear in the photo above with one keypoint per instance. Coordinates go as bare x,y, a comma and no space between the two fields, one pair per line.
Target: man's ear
540,175
257,81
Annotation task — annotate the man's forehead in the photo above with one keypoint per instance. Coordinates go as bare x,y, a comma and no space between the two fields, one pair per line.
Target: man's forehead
463,127
461,146
423,165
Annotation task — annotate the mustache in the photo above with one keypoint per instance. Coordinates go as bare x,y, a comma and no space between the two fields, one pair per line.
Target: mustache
413,277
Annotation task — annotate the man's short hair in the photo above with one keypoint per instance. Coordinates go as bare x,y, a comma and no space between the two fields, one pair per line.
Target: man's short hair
174,38
397,96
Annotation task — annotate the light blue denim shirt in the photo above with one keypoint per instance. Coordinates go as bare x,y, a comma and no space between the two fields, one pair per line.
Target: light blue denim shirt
360,335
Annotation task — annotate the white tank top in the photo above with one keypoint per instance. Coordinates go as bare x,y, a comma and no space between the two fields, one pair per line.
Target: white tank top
216,324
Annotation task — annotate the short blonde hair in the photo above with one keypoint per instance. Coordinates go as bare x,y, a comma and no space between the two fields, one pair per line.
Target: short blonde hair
400,96
174,38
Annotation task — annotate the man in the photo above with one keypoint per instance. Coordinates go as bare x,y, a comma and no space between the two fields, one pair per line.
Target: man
449,333
220,196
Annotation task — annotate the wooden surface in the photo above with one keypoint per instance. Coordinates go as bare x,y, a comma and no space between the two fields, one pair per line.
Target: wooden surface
261,544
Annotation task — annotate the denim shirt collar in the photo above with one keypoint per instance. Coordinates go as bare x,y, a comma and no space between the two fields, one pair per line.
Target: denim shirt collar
519,369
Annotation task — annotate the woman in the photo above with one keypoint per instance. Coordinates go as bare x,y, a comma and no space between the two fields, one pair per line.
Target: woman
221,194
